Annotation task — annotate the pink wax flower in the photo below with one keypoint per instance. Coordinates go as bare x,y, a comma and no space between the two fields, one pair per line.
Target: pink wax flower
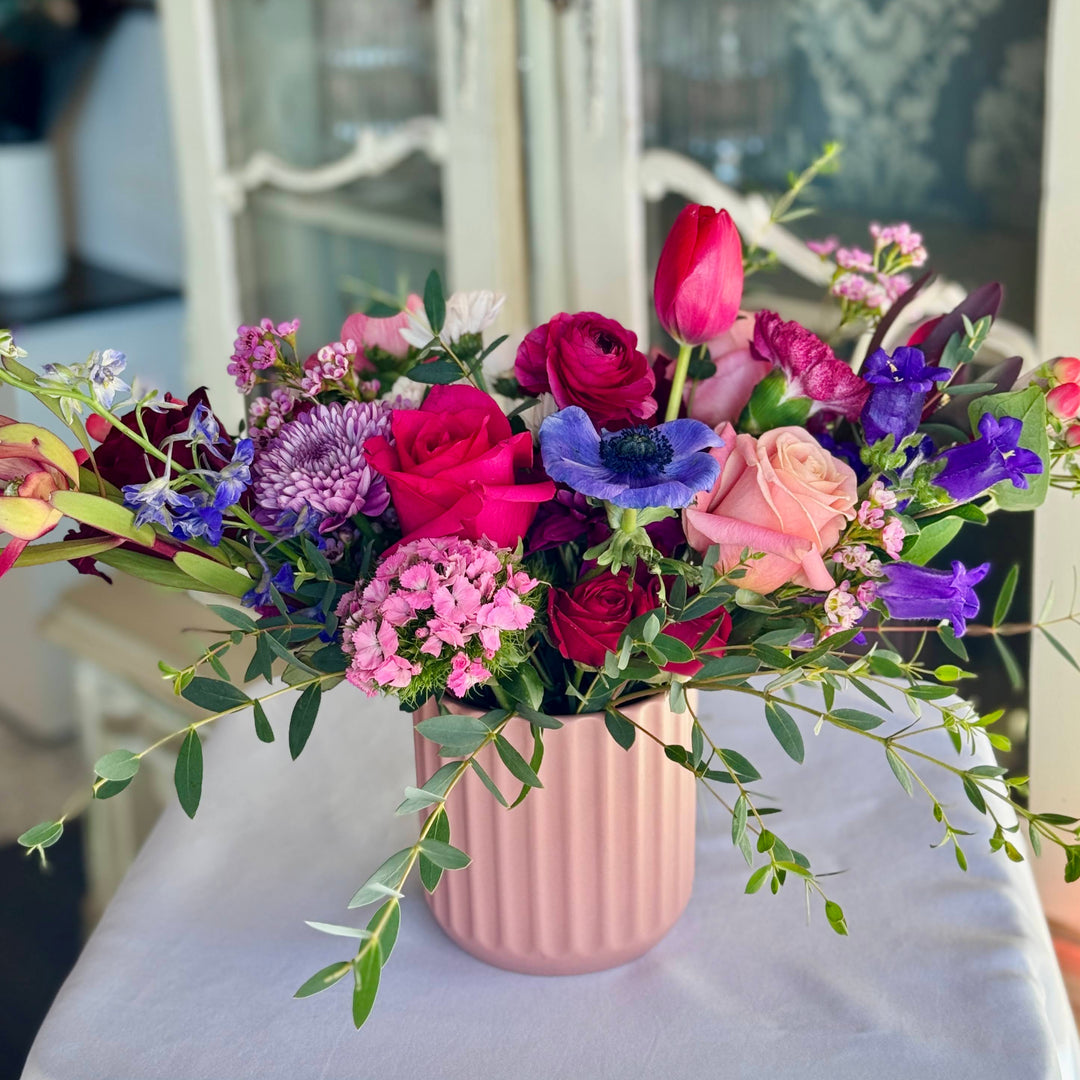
855,259
841,608
892,538
370,332
824,247
699,278
452,612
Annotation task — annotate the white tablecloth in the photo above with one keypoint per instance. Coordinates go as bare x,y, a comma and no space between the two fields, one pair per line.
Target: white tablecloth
189,975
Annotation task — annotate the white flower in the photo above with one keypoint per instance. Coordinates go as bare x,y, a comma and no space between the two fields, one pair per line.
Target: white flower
103,370
466,313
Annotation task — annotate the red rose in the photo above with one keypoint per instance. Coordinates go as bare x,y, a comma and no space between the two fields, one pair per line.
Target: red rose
690,633
592,362
451,469
586,621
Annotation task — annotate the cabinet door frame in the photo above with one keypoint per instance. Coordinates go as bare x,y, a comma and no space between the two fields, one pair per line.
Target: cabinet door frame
475,138
1054,742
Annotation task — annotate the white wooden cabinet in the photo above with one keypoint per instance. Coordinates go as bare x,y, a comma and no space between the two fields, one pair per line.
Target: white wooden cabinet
540,146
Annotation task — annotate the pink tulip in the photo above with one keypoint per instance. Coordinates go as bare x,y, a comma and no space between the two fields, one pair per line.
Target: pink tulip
33,464
723,396
1067,369
385,334
699,278
1064,400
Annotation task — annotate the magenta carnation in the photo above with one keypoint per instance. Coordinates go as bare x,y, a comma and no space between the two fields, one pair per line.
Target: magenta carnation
811,367
317,462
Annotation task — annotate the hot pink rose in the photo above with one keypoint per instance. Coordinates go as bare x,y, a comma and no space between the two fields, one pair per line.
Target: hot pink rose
589,361
385,334
451,466
780,494
723,396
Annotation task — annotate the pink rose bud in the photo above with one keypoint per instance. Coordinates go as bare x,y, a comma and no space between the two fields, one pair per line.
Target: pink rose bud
1064,400
1072,436
699,279
1067,369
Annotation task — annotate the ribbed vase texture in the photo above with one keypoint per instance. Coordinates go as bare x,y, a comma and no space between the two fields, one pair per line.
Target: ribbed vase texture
592,869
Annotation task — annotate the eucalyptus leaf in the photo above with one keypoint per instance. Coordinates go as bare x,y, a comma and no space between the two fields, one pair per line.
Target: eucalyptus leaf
215,695
444,854
303,717
384,882
619,728
783,726
118,765
188,774
324,979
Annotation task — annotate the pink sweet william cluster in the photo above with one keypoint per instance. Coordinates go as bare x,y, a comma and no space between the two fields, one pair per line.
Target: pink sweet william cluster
445,612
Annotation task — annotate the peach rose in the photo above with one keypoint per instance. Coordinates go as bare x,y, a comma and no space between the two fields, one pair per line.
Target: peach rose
780,494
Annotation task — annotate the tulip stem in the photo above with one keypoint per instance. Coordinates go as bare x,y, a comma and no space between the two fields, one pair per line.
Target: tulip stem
678,382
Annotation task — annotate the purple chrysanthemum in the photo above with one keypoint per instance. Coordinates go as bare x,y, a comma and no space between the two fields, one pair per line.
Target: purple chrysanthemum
318,461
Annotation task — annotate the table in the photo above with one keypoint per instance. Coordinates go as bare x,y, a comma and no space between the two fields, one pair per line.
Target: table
190,973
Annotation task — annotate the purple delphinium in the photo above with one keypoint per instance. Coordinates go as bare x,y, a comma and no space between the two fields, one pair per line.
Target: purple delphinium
317,461
260,597
233,480
898,388
634,468
975,467
154,502
917,592
202,519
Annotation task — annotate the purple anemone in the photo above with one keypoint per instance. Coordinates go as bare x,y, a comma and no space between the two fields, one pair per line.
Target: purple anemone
634,468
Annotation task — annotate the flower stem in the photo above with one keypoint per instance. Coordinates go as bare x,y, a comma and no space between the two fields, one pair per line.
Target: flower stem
628,522
678,382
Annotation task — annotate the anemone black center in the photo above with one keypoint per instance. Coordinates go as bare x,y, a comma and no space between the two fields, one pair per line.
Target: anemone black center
637,452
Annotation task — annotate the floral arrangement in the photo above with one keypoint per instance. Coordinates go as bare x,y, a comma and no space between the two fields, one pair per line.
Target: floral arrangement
750,514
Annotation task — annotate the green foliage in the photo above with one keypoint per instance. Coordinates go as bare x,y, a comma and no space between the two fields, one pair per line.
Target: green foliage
303,717
188,774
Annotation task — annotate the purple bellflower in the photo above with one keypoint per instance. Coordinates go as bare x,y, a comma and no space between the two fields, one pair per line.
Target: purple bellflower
917,592
975,467
898,388
635,468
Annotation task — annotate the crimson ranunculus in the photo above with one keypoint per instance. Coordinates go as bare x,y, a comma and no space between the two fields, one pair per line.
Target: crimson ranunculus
586,621
589,361
452,467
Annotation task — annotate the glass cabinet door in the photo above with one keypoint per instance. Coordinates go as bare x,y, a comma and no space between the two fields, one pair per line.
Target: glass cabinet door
333,152
302,81
939,108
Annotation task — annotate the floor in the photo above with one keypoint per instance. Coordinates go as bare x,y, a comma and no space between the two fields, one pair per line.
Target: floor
40,910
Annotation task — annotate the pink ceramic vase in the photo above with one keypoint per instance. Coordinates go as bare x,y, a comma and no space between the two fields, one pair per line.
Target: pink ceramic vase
592,869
